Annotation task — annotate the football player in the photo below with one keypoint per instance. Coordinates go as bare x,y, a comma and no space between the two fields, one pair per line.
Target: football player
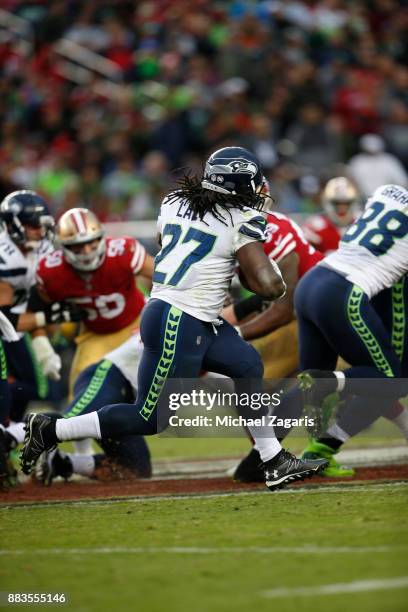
337,316
26,237
99,275
112,379
340,203
391,306
26,231
205,228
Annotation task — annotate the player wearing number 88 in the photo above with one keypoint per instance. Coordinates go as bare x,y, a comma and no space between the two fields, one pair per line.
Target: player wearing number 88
97,273
332,301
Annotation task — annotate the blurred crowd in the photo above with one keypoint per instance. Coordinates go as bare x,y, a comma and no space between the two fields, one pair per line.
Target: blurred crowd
314,88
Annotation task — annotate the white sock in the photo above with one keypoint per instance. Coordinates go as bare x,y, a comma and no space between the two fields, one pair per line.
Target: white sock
17,431
267,447
401,421
341,380
84,447
76,428
82,464
335,431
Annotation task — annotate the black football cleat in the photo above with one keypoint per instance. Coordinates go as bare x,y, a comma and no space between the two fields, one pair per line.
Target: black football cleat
39,437
250,469
52,464
286,468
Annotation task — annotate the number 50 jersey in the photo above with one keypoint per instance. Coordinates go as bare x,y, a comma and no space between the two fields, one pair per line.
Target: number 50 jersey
108,295
373,253
194,268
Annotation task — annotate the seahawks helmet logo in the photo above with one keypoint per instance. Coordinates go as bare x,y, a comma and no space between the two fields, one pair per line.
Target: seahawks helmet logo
244,167
233,167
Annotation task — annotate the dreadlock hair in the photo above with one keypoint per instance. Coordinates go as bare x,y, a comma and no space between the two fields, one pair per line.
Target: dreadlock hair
202,201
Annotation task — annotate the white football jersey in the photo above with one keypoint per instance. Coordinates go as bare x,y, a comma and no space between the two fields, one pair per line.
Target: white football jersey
127,358
19,270
195,266
373,253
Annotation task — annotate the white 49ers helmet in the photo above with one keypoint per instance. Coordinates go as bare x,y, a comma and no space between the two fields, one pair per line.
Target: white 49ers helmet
340,201
80,234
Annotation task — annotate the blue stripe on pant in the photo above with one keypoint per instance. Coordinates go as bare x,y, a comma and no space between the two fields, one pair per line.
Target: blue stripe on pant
177,345
100,384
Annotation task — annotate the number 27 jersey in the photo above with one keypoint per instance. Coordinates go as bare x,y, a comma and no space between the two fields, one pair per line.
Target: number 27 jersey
373,253
194,268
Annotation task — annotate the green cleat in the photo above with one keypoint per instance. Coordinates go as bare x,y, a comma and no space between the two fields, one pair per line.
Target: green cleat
320,400
318,450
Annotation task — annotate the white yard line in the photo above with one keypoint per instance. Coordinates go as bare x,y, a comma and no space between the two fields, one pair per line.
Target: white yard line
206,550
359,586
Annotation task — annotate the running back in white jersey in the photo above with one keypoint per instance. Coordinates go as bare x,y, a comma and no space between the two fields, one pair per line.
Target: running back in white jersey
194,268
373,253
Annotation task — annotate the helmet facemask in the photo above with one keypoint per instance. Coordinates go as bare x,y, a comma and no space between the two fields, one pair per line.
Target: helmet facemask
86,262
77,228
340,201
22,210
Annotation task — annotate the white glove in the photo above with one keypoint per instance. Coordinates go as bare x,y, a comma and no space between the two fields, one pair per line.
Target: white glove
48,359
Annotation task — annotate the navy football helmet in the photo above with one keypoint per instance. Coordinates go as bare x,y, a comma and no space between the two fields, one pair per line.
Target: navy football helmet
234,171
26,208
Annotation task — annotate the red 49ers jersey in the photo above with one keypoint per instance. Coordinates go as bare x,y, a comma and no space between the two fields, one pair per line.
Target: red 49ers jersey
323,233
284,236
108,294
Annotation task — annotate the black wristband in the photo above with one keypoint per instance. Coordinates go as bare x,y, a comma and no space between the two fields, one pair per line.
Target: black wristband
35,301
245,307
13,317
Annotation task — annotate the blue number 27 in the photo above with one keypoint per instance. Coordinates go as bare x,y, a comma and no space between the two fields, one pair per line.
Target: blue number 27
204,247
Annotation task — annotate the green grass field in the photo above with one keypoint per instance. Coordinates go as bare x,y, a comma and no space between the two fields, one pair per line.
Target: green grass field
214,553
